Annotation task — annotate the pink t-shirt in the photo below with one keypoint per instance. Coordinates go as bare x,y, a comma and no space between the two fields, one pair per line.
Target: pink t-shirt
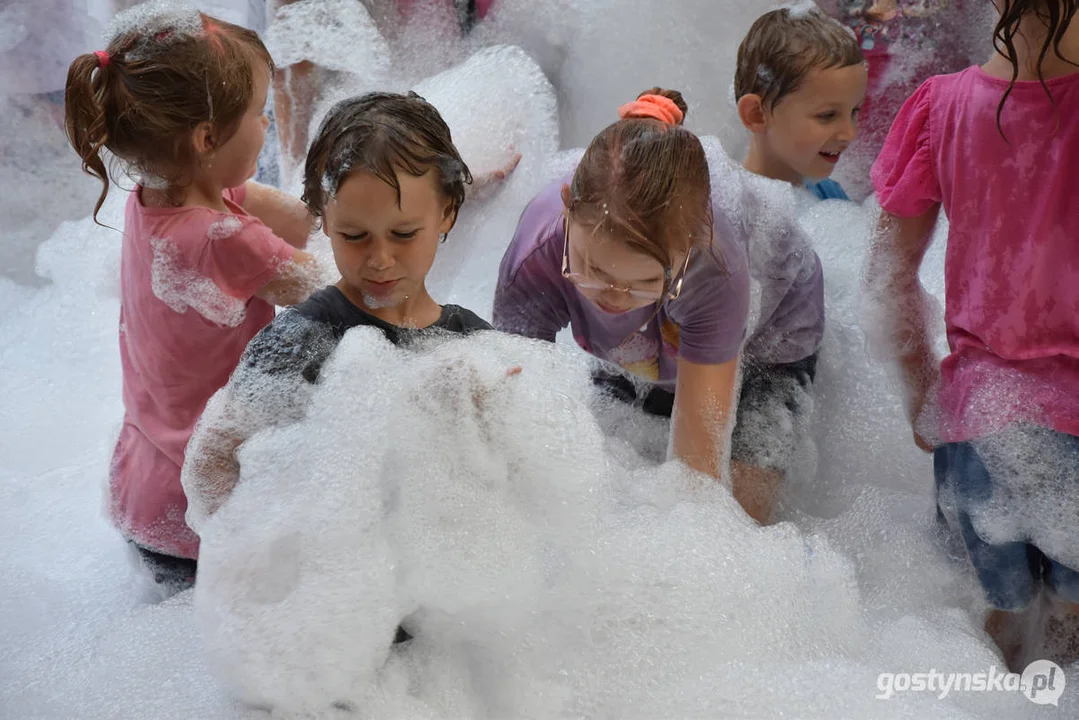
1012,259
188,279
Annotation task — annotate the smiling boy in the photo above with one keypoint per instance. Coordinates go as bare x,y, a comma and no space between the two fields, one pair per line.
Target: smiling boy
800,81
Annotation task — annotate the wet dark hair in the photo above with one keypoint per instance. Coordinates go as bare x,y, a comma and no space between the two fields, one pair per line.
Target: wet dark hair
782,47
1055,14
383,133
158,83
648,181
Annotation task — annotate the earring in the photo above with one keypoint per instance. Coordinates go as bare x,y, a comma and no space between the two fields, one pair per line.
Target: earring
442,238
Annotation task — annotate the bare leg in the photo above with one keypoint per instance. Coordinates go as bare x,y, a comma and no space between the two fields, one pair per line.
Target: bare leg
1058,639
1006,629
294,91
755,489
1020,635
294,95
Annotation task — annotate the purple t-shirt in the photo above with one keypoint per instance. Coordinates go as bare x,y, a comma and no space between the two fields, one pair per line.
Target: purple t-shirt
767,277
760,215
706,324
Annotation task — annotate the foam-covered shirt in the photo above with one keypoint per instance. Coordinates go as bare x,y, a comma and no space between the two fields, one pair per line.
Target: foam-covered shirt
301,339
761,216
1011,262
188,280
276,376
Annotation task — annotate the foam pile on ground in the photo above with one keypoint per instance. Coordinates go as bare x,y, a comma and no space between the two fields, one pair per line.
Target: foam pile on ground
541,575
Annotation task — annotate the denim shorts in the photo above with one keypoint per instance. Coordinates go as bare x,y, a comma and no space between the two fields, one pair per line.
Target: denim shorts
1010,573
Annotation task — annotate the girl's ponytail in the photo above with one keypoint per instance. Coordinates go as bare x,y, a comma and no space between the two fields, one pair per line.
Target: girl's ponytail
134,105
84,116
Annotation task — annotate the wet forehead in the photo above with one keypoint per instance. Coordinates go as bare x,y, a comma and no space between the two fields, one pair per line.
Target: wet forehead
834,85
609,256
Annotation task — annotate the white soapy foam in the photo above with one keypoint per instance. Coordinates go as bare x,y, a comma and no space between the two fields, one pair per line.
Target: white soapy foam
181,287
542,575
666,603
157,23
409,492
335,34
224,228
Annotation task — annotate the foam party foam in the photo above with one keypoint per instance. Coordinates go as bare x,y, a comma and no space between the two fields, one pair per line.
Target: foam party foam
340,24
530,536
541,575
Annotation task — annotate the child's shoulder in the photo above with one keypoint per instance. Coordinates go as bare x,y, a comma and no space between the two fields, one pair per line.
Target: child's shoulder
294,343
462,320
196,225
948,88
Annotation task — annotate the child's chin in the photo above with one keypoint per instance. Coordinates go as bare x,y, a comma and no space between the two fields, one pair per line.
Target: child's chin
380,303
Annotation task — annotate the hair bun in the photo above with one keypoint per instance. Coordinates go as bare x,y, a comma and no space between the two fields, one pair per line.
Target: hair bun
672,95
667,106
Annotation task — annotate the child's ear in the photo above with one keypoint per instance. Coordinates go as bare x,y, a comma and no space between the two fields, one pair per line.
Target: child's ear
566,197
328,209
449,218
751,113
202,138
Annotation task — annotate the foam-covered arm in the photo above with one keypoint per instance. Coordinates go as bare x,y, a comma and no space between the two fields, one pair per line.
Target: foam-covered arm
703,410
294,281
285,215
270,387
901,305
211,469
482,183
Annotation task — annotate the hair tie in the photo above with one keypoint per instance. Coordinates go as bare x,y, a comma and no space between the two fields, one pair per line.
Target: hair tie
653,106
102,58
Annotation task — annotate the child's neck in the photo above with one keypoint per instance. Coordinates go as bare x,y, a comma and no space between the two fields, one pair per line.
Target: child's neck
418,310
1028,44
200,193
761,162
205,192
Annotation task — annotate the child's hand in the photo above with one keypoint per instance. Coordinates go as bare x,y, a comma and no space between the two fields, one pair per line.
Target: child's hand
481,393
488,179
922,379
923,444
882,11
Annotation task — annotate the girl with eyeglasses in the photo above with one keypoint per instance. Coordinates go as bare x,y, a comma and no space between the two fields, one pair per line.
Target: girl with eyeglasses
624,252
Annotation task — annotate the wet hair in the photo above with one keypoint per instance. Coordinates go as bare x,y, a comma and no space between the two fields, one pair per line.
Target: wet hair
1055,14
384,134
783,46
162,76
646,182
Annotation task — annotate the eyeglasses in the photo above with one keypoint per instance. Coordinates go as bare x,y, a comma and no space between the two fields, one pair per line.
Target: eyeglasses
588,284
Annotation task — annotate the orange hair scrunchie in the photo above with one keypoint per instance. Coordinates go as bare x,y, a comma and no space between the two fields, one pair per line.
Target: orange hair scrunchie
652,106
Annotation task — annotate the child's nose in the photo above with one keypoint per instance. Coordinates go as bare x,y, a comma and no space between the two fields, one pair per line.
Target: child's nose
380,256
848,130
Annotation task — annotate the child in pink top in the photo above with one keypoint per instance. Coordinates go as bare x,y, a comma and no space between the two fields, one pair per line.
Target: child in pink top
178,98
1000,157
